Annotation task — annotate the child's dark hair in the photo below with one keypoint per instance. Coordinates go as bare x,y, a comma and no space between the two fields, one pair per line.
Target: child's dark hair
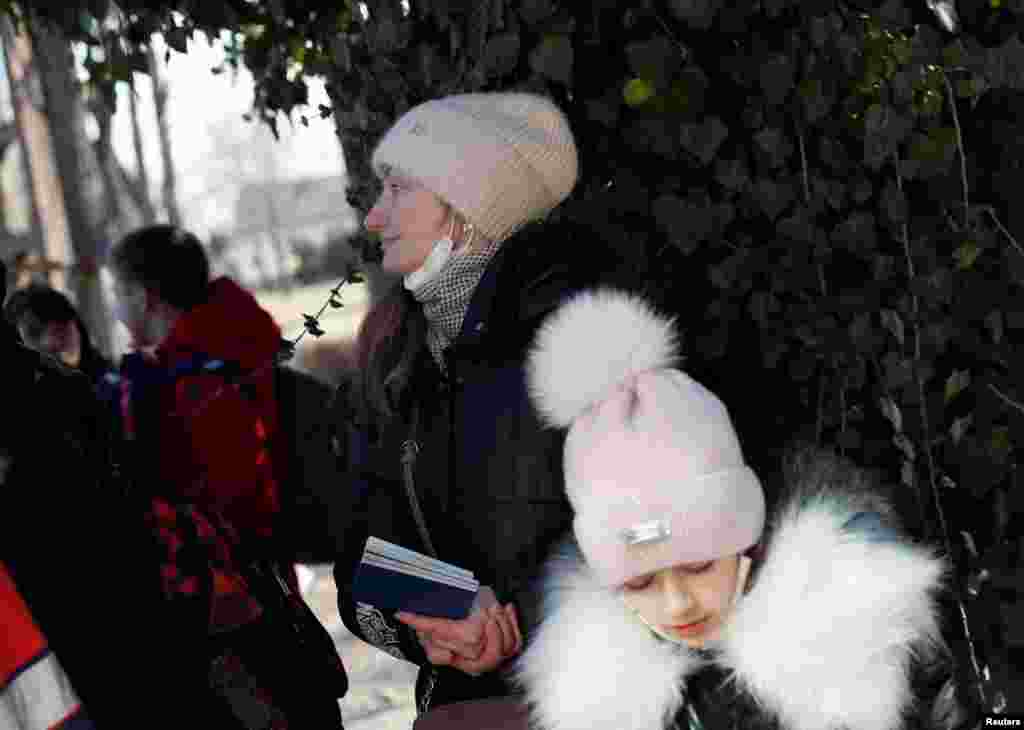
33,307
166,260
40,303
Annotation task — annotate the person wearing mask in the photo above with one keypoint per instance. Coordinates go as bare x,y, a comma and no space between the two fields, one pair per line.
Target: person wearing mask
214,446
444,453
199,430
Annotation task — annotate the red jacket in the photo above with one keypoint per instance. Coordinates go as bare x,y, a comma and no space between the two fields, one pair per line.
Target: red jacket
215,437
35,694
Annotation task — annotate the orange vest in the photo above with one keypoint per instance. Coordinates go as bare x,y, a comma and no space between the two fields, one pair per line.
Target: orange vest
35,694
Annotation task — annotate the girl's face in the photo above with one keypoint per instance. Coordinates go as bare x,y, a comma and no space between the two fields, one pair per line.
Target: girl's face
409,219
688,602
60,339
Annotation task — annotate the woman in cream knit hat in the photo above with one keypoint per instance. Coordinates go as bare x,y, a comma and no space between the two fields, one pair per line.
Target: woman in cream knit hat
446,454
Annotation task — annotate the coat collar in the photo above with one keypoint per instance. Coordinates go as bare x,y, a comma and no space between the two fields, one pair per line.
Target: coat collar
531,274
824,638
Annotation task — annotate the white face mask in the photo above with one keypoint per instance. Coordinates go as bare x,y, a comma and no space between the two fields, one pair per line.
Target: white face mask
432,266
146,327
129,304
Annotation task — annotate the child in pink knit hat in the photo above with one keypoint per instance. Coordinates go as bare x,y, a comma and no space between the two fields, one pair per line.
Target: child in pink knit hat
680,603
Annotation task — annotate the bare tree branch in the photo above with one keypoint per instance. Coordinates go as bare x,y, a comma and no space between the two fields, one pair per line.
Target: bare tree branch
1006,399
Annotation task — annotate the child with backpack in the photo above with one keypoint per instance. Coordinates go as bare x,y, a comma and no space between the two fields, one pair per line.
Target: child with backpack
200,429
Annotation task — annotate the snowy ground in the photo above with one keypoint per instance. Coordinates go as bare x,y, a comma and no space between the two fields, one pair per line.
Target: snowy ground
287,307
380,694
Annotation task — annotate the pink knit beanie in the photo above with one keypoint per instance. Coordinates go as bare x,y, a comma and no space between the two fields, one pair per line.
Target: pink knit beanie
653,466
499,159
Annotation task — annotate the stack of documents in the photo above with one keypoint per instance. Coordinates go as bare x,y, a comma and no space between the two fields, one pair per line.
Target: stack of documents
393,578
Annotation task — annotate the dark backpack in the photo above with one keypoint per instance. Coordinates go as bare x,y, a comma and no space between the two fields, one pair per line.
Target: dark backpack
271,662
311,478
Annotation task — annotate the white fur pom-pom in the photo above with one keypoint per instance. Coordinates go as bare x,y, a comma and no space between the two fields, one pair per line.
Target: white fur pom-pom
591,344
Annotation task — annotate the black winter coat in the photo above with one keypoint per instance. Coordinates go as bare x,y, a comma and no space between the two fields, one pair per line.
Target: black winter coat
488,475
79,553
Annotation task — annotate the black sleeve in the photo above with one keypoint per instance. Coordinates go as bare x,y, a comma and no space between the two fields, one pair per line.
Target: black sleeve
312,471
350,514
80,554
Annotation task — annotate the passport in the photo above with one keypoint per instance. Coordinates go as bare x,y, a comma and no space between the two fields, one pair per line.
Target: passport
394,578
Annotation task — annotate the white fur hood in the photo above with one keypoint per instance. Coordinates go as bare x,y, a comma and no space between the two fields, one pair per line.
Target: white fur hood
824,639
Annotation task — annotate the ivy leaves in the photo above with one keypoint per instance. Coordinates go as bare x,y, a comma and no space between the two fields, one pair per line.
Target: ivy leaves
777,76
698,14
688,222
1004,64
703,140
817,197
501,54
553,59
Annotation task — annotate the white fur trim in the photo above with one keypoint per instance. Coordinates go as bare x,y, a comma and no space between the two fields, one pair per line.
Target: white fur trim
591,344
594,666
825,638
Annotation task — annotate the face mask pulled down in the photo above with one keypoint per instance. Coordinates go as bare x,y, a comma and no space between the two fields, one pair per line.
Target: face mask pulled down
434,264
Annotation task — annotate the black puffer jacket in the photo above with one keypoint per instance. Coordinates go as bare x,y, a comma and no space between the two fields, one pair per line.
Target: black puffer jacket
76,545
488,476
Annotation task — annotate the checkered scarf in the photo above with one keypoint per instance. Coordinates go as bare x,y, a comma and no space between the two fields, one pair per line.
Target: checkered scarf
445,298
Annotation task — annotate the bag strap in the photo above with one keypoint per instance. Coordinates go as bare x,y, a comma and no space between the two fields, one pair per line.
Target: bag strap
410,451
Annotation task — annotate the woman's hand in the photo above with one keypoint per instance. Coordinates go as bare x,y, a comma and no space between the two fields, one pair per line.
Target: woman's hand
474,645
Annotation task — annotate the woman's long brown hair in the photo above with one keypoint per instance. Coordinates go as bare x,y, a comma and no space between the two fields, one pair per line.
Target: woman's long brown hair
389,340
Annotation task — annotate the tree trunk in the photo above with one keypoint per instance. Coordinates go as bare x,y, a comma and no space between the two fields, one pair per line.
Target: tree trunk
8,135
112,212
361,183
79,174
270,183
170,187
140,189
48,235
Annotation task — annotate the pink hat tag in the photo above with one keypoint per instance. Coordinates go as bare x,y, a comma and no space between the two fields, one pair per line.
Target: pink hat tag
644,533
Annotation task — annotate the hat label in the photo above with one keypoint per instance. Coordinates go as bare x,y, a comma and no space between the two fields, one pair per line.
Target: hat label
644,533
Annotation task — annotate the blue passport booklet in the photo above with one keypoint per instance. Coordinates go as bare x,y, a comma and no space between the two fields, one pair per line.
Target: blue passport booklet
393,578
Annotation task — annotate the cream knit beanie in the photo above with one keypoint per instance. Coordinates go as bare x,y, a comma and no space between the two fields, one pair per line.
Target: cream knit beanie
653,466
499,159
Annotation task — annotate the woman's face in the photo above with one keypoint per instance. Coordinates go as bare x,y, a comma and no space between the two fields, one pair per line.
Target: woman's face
688,602
409,219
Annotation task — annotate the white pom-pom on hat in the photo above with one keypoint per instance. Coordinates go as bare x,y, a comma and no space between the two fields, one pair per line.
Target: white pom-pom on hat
592,344
651,455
